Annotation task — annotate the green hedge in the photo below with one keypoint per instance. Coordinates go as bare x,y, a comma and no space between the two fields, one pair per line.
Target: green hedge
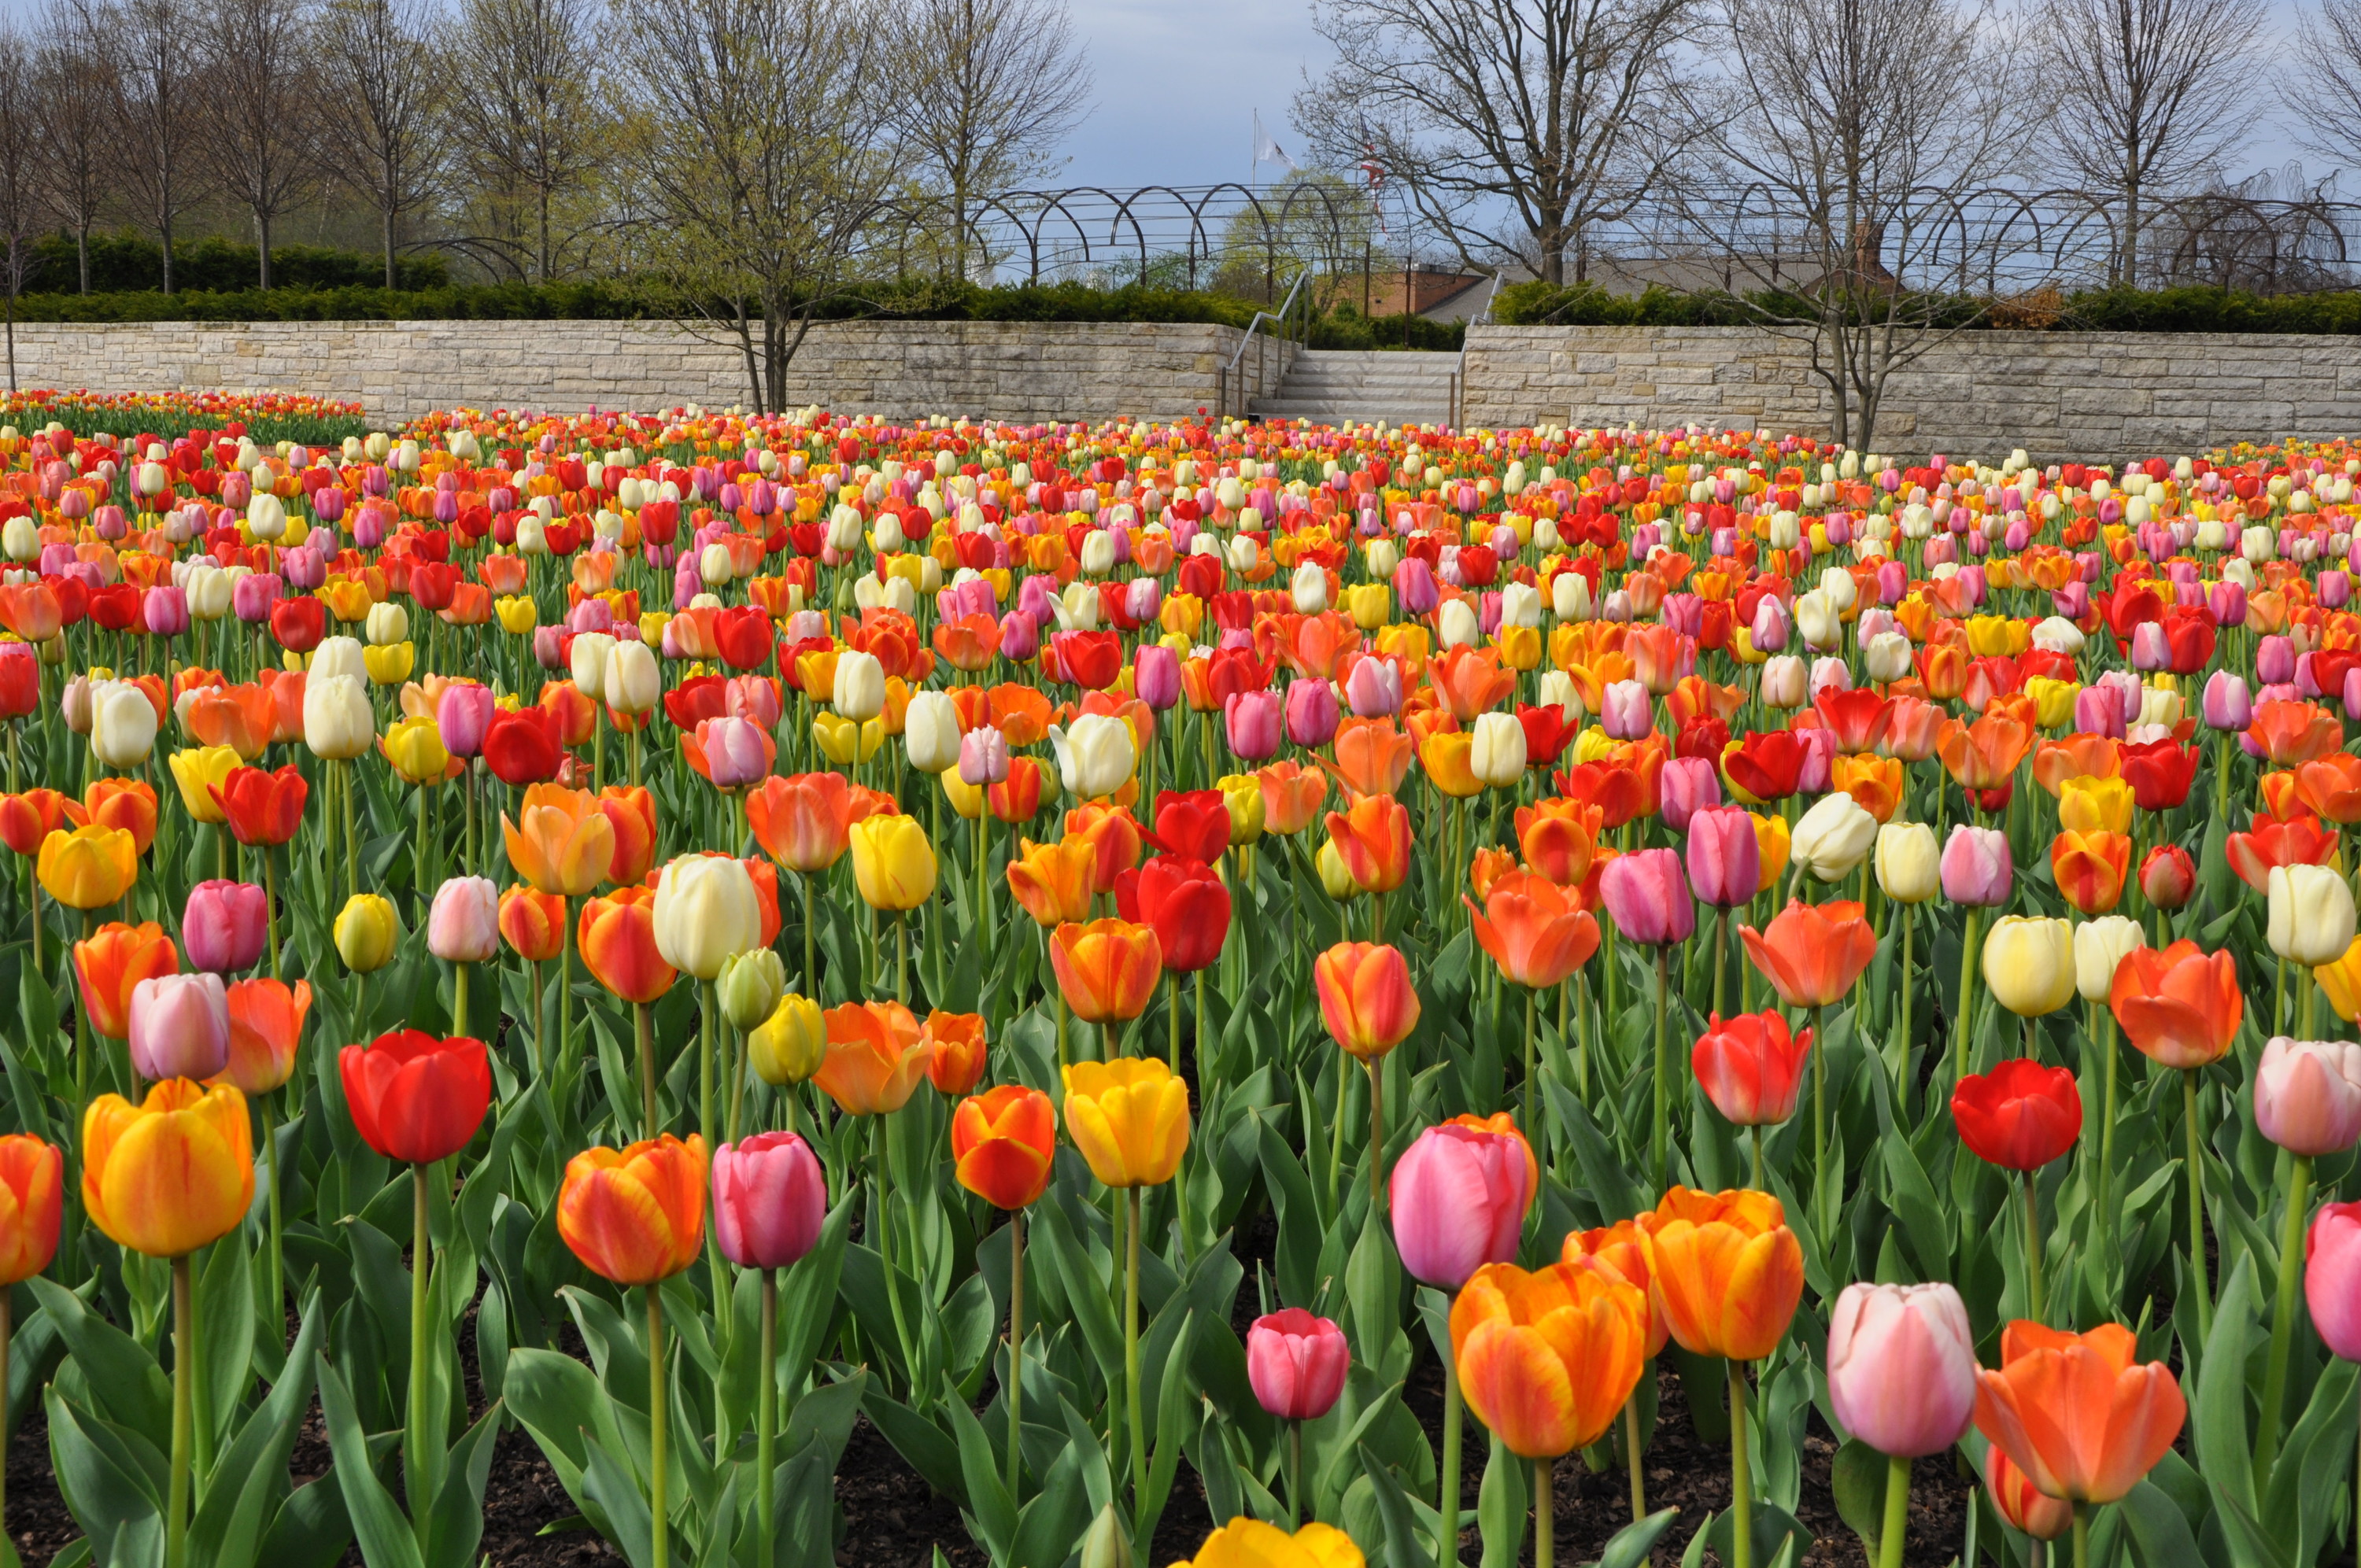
132,263
2188,309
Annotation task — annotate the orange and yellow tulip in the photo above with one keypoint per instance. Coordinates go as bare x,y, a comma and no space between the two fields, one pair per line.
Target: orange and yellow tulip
170,1174
1725,1268
1003,1143
1366,997
1106,970
1373,840
32,1202
1547,1359
1536,931
2089,869
89,867
110,962
803,821
565,844
1129,1118
635,1215
617,934
1053,882
876,1054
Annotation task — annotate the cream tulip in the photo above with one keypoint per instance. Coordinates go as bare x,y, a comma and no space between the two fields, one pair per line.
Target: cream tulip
930,731
2099,948
705,912
859,692
2311,915
1909,863
1095,755
122,724
2028,964
632,682
1497,752
337,721
1834,837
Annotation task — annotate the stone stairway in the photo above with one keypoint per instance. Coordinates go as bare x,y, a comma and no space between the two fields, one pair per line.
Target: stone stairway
1355,385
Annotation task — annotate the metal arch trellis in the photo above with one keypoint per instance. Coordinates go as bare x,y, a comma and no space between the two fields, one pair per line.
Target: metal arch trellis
1056,230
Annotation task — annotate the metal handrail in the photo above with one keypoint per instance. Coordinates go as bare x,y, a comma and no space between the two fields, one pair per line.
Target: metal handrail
1459,370
1229,372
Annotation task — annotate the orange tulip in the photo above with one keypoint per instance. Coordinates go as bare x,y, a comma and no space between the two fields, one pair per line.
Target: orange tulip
2089,869
266,1025
2291,733
1489,865
532,923
2331,785
1293,795
170,1174
1114,838
26,819
1372,757
1021,714
1366,997
804,822
1812,953
630,811
876,1054
32,1201
1447,756
957,1041
1537,932
1619,1247
1106,970
1983,755
1470,681
635,1215
1003,1143
2180,1006
126,804
617,935
1053,882
1558,838
2077,757
1373,840
1547,1359
2023,1505
1017,797
578,716
2074,1412
1875,782
1726,1269
238,717
110,962
565,845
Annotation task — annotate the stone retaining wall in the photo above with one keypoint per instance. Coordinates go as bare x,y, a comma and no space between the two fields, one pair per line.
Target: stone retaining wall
2094,395
1016,371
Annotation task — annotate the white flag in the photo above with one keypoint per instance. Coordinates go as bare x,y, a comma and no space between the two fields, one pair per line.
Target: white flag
1266,149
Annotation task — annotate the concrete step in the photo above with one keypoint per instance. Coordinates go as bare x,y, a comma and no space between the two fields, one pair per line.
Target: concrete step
1325,411
1363,386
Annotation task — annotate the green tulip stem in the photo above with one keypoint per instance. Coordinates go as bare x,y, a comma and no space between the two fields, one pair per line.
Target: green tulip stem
1375,1066
278,1267
1131,1380
2034,1292
1897,1512
184,1351
1446,1495
1820,1097
1065,1057
1757,1142
1172,1020
1201,1030
1659,1151
1294,1476
352,840
418,860
221,850
566,994
1741,1498
415,1436
706,1002
2196,1208
982,888
459,998
2267,1430
1631,1453
1532,1085
902,957
644,1034
539,1024
1903,1076
1964,1025
1544,1527
766,1418
658,1397
1720,962
811,967
1015,1351
2105,1020
2081,1535
269,913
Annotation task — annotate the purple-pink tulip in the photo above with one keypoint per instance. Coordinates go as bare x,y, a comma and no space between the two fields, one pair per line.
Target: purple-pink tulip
179,1027
463,713
224,925
1977,870
734,753
770,1197
1458,1199
1647,896
1251,721
1155,676
1902,1368
1725,858
1296,1364
1688,785
2308,1095
463,925
1311,716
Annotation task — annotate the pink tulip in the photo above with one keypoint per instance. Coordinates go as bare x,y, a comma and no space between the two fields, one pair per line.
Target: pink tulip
1459,1195
1626,710
1155,676
770,1197
1252,722
1297,1364
1374,688
1976,868
1688,785
982,757
1902,1368
2308,1096
223,926
1752,1067
179,1027
733,751
1816,775
463,713
1311,716
2331,1277
2227,703
463,927
1647,897
1725,858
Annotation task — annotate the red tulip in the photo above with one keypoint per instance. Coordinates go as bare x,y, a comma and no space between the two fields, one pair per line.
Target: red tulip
299,623
1185,902
521,746
1193,825
415,1098
2019,1116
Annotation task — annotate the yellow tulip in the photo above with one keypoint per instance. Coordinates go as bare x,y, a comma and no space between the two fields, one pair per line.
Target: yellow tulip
389,665
2101,805
788,1046
1129,1118
893,863
415,747
839,738
1242,793
366,933
170,1174
2029,964
517,614
88,868
199,770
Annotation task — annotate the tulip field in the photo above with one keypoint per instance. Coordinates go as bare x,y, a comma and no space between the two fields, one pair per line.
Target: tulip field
1202,993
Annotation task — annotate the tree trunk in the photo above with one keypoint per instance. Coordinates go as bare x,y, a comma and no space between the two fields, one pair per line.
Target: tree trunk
388,246
82,254
262,237
544,234
2131,233
165,228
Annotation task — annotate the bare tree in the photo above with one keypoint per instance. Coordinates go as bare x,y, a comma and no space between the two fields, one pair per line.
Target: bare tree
1845,135
1003,82
2330,122
75,85
2160,92
21,208
529,120
261,138
1514,125
160,112
751,136
384,130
